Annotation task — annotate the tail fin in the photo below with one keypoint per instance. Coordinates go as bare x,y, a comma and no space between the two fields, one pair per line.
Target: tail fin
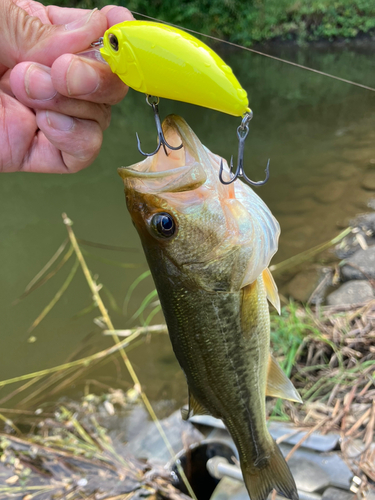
276,474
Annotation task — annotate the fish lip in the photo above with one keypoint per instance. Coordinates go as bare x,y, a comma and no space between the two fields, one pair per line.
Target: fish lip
129,172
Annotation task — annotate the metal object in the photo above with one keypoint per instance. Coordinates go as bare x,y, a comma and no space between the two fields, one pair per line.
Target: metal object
208,457
161,139
98,43
242,132
319,475
291,435
220,468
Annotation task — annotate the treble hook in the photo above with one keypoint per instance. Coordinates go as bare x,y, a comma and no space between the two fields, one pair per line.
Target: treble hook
162,141
242,132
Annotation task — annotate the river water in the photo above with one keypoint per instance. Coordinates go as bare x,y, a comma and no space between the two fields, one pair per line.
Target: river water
319,134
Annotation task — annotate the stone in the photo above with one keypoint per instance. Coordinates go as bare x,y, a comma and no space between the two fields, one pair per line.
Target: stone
360,155
368,181
332,169
347,172
329,193
306,282
297,237
365,202
360,265
352,292
290,222
295,207
366,222
337,494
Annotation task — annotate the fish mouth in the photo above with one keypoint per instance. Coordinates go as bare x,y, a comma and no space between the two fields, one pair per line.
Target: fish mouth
178,170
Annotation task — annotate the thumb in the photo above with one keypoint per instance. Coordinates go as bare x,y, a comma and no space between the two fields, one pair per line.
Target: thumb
27,38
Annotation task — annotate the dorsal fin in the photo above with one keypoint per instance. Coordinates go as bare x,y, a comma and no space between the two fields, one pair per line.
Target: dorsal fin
278,384
271,289
195,408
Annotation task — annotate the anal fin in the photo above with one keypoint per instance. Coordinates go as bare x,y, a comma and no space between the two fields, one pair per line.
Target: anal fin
195,408
271,289
278,384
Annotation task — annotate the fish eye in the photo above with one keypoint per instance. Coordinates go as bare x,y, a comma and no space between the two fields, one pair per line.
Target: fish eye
163,224
113,41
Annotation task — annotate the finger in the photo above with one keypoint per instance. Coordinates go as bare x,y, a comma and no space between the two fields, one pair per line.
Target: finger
87,79
116,14
63,144
32,85
5,83
64,15
26,38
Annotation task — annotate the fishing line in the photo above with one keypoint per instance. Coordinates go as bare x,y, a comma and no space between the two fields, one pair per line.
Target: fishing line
356,84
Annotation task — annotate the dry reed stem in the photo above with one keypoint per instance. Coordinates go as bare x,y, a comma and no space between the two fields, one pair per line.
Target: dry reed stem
137,385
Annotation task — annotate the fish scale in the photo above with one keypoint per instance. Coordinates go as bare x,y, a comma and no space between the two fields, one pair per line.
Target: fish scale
197,319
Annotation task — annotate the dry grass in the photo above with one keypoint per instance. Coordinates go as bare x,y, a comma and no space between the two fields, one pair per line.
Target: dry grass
70,456
335,374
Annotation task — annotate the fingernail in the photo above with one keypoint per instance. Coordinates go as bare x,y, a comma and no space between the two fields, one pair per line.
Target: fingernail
79,23
81,78
59,121
38,83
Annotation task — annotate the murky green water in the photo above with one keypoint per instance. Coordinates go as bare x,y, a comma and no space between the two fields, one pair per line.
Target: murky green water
319,134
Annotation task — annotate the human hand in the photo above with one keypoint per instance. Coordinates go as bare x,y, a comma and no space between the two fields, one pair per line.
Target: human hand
54,105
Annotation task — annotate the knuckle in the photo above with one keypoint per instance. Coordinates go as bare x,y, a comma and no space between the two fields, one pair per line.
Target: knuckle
106,116
90,148
118,96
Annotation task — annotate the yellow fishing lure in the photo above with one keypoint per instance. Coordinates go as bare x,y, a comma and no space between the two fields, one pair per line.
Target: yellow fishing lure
163,61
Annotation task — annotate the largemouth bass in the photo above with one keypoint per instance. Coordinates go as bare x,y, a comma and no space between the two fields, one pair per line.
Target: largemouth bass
208,246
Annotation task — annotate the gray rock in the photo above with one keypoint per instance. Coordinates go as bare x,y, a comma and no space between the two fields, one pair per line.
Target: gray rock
360,156
337,494
353,292
298,237
291,207
366,222
329,193
290,222
360,265
305,283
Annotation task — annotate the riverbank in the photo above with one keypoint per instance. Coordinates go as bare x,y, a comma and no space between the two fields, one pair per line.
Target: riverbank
81,449
252,22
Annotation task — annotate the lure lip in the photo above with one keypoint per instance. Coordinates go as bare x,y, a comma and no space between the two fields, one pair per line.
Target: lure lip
93,53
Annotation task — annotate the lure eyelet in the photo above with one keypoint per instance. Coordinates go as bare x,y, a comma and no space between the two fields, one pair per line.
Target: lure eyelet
113,41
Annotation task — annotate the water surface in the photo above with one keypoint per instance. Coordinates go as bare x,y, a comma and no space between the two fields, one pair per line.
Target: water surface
319,134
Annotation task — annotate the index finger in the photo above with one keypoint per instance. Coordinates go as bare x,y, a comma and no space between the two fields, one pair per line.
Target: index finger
65,15
116,14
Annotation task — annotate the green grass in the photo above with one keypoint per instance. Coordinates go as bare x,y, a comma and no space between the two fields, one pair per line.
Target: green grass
287,333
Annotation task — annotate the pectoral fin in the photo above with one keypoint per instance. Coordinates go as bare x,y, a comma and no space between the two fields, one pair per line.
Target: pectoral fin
278,384
195,408
271,289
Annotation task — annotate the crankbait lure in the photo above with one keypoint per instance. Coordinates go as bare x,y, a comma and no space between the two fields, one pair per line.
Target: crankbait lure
164,61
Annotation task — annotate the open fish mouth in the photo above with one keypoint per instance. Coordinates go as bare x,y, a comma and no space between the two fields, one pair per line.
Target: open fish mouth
178,170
